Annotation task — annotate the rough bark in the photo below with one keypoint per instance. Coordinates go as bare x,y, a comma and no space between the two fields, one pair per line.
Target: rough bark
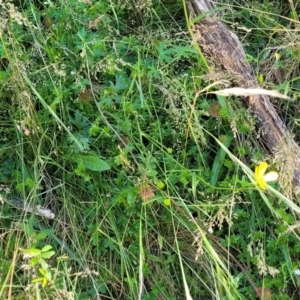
224,50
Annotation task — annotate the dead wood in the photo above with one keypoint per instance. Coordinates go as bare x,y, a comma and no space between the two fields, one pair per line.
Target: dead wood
225,51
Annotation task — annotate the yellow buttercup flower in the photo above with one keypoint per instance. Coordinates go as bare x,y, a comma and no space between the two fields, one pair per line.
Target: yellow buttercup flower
261,178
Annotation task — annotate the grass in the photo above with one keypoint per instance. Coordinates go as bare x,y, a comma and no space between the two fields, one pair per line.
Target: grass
150,180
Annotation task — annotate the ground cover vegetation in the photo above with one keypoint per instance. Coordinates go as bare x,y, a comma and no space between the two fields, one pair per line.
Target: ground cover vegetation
104,123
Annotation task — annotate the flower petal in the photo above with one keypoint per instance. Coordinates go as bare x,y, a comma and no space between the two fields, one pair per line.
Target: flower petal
262,184
262,168
271,176
256,171
44,283
297,272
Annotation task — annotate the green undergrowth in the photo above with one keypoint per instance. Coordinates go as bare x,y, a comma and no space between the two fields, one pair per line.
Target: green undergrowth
150,180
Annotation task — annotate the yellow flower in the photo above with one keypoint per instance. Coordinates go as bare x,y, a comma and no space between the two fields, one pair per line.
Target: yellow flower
261,178
45,279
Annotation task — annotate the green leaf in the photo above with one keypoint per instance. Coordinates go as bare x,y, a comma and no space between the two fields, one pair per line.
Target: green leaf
43,234
92,162
43,263
31,252
34,261
40,236
47,254
82,33
46,248
80,121
219,159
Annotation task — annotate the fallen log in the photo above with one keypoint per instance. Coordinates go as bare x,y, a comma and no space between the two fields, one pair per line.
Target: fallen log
225,51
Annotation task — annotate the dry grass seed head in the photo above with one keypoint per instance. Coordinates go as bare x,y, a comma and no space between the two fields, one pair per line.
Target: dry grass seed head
178,107
124,160
11,11
85,96
146,192
198,241
137,5
257,250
